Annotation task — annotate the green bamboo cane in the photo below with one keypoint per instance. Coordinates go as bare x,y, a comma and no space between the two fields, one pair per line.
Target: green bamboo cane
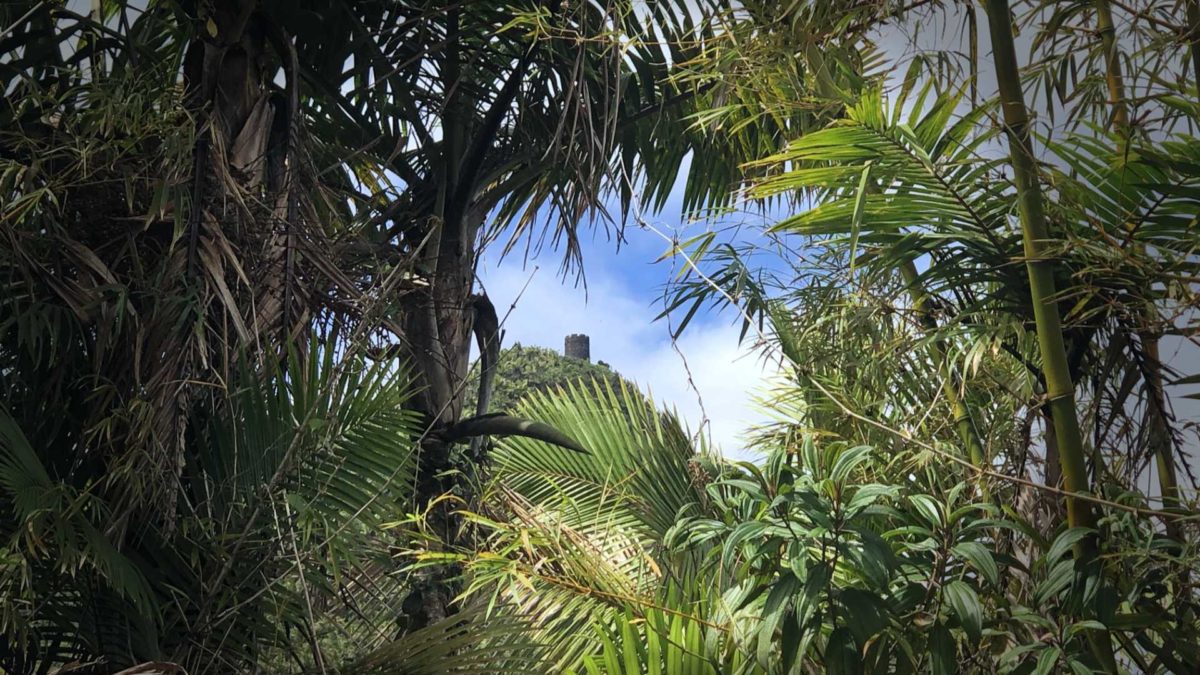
1035,233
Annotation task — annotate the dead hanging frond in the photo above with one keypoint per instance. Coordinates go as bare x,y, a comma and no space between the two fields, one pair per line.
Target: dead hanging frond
502,425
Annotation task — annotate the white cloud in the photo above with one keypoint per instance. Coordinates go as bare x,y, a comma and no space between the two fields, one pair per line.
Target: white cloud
624,335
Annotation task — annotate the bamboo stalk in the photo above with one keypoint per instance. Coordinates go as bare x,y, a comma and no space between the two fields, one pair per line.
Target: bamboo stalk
1035,233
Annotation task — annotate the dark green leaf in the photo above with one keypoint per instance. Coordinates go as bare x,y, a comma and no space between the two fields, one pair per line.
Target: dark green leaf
980,558
965,603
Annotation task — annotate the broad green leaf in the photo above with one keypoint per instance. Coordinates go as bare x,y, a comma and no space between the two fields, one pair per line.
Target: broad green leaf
841,655
816,584
867,495
1064,541
1047,659
778,601
790,642
847,461
864,616
877,559
928,508
1079,668
1056,581
965,603
980,558
942,651
1081,626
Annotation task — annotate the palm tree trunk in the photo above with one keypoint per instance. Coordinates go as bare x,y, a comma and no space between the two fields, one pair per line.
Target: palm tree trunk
1159,433
951,382
433,322
1193,19
1035,234
1112,67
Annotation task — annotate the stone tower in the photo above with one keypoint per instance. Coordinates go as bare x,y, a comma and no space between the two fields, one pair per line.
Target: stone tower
578,346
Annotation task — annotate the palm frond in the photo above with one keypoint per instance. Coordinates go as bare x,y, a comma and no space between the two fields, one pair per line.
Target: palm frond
637,457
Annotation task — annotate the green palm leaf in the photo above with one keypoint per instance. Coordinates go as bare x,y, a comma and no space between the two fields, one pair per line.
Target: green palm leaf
638,458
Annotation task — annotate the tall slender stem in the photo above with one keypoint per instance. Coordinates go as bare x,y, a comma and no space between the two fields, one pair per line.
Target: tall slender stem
951,382
1112,68
1193,19
1159,433
1035,233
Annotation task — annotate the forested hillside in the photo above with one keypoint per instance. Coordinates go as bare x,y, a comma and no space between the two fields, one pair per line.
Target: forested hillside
522,370
241,245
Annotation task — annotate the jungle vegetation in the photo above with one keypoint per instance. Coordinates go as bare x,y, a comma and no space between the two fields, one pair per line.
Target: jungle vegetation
522,370
238,244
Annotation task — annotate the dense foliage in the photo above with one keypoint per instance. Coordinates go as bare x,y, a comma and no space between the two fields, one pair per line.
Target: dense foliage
522,370
237,294
196,199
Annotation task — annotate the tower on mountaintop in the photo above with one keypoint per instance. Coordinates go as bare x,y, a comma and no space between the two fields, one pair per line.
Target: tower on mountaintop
578,346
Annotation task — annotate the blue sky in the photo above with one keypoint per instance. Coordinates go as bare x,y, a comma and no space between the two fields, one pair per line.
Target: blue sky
706,376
